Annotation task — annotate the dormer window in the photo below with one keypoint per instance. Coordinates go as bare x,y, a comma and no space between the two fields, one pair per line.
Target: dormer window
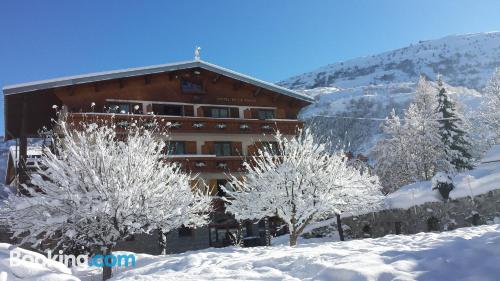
191,87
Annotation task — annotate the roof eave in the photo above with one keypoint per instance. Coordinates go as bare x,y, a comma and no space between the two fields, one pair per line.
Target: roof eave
109,75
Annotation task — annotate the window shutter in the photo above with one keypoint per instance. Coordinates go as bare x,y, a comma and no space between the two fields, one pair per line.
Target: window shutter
200,112
234,112
280,113
213,187
208,148
247,113
236,149
251,149
190,147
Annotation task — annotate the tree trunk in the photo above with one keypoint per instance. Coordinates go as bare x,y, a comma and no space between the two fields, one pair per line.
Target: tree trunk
293,237
267,232
339,228
106,270
162,237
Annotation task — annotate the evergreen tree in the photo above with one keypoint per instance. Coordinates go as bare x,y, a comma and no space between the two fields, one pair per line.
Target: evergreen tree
453,136
412,149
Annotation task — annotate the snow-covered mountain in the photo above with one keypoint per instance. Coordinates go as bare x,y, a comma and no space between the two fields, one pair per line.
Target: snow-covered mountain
372,86
463,60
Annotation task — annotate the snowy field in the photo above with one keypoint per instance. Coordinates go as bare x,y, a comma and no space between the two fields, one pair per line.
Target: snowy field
471,254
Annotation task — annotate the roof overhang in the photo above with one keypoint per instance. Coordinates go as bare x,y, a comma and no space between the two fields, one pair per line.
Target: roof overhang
131,72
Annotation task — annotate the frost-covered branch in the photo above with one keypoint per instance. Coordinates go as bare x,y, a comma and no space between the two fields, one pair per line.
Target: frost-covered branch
300,183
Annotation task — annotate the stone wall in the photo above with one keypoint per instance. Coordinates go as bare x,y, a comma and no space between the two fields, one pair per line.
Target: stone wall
431,216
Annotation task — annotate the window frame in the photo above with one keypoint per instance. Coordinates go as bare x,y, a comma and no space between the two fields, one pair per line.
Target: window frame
264,114
222,145
173,148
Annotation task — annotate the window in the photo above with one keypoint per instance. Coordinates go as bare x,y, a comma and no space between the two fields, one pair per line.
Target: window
191,86
177,148
124,108
168,109
219,112
220,183
185,232
265,114
223,149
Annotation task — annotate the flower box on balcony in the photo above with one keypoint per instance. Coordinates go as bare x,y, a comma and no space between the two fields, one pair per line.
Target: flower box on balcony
220,126
221,165
200,164
149,125
175,125
122,124
244,127
198,125
266,127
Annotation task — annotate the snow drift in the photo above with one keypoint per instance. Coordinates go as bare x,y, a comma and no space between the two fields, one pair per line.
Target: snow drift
463,254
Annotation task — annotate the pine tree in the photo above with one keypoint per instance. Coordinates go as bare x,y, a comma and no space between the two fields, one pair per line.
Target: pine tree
412,150
453,136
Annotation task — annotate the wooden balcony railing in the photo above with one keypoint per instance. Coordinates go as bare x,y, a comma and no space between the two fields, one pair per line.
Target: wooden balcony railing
209,164
194,124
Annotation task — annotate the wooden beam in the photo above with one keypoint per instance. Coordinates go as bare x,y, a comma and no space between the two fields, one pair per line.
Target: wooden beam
237,85
216,79
23,144
257,92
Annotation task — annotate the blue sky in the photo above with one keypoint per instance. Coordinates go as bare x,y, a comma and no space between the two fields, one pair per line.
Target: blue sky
271,40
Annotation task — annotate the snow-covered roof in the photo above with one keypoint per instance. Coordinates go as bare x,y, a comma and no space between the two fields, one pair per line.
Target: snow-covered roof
130,72
483,178
31,152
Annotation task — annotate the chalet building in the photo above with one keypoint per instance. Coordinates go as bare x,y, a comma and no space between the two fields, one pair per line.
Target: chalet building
217,118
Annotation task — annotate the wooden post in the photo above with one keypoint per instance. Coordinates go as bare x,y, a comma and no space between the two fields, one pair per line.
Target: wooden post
23,146
339,228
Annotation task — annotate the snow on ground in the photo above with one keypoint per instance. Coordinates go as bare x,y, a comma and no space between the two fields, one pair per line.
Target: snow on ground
463,254
483,178
26,270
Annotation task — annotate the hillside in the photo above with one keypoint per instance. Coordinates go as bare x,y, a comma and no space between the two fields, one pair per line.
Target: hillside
372,86
463,60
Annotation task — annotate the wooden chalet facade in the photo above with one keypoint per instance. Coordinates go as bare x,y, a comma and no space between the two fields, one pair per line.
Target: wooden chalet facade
217,116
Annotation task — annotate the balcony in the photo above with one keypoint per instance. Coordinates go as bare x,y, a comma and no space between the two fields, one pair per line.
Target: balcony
186,124
208,163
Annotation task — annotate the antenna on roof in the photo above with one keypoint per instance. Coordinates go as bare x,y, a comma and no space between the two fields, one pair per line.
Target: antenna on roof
197,53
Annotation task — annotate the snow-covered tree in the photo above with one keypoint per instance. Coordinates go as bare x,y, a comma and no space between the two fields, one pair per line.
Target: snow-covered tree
300,182
412,149
491,105
453,135
100,187
393,157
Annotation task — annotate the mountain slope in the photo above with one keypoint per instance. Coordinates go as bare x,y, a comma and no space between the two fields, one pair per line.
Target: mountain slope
463,60
370,87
